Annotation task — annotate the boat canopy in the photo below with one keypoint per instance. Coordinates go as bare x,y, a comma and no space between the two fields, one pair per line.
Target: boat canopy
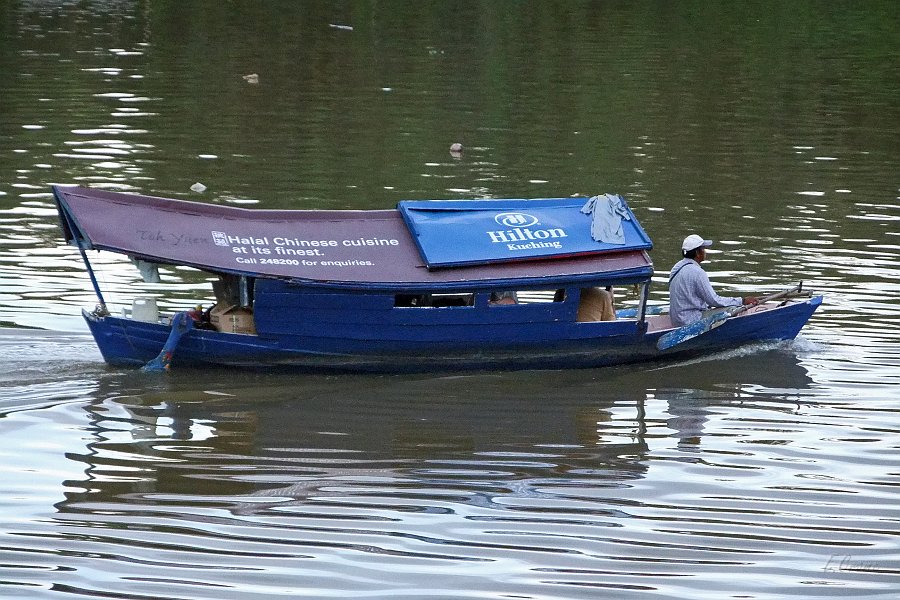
434,244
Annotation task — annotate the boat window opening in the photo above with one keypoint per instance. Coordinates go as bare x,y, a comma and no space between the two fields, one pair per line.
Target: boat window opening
448,300
520,297
541,296
503,298
234,290
412,300
434,300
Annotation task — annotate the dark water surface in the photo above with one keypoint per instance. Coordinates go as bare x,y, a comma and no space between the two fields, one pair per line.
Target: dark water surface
769,472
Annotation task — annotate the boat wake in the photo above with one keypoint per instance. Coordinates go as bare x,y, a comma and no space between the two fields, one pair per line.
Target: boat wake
46,367
796,346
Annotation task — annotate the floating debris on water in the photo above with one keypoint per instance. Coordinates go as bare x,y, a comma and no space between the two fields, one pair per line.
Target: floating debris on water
342,27
198,187
456,149
251,78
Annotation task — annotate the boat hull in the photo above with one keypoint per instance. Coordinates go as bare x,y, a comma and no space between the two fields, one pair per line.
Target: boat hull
125,342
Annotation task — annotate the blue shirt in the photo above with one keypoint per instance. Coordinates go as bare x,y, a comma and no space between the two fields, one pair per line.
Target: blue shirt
690,293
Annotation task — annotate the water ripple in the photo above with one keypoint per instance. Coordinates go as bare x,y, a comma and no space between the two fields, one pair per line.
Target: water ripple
172,501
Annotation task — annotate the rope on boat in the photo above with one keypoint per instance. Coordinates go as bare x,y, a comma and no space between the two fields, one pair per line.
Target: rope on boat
181,324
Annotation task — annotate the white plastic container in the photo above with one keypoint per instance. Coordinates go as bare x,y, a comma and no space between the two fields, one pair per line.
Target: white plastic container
145,309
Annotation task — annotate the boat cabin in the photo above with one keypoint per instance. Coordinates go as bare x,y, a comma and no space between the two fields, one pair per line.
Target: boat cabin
486,261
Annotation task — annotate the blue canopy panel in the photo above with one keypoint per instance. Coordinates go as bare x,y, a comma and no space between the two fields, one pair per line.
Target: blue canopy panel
453,233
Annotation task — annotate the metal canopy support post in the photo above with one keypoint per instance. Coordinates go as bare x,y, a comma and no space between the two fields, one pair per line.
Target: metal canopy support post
642,309
78,240
94,283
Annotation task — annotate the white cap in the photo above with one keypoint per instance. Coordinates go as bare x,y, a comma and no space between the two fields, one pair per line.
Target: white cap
694,241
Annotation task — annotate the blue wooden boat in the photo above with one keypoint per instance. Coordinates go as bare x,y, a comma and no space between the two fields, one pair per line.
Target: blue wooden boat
428,286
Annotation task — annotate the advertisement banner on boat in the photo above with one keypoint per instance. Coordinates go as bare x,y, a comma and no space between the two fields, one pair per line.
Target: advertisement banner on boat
465,232
371,246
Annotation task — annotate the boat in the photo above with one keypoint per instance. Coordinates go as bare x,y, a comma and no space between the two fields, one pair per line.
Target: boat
441,285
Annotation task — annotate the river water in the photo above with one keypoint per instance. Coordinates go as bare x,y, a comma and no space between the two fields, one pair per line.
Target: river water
768,472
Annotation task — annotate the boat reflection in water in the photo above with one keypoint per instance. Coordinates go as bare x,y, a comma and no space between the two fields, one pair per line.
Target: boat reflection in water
328,442
247,480
270,435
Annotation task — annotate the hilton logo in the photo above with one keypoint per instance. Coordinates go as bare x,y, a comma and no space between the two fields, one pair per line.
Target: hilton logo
520,231
514,219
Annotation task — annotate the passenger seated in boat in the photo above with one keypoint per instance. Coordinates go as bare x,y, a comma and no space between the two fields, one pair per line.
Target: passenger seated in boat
596,304
503,298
